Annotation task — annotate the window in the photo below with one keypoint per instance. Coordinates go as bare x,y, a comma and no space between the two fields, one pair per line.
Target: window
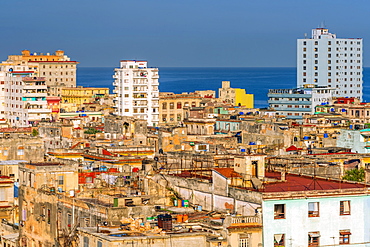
172,105
69,220
86,242
313,238
313,209
344,236
100,244
345,207
279,240
179,105
164,106
20,152
61,180
244,240
48,216
279,211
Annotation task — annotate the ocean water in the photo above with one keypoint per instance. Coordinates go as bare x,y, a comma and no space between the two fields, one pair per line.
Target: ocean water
255,80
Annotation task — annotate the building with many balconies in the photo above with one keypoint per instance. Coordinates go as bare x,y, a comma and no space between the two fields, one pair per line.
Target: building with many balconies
57,69
325,60
137,91
295,103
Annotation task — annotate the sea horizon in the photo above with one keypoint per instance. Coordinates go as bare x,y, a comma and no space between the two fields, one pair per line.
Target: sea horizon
255,80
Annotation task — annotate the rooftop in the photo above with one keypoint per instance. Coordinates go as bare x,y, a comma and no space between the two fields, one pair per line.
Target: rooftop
294,182
228,172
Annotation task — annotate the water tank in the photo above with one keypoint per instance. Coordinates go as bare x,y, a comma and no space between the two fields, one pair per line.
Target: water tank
165,222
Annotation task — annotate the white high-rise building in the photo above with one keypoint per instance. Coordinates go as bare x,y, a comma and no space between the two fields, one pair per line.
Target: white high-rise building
325,60
137,91
23,97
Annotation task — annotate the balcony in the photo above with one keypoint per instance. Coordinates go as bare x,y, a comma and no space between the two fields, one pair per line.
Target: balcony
287,102
35,110
140,96
246,220
34,87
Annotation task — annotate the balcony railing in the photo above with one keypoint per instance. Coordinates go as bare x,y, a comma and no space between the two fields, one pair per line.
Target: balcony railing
246,219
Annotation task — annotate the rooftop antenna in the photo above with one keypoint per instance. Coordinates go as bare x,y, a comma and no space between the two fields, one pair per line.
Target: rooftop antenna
322,25
305,35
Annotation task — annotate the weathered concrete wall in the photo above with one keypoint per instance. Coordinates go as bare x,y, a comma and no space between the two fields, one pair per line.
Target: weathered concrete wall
22,148
201,193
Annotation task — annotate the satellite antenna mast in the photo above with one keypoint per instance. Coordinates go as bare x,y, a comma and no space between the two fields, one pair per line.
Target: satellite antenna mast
305,35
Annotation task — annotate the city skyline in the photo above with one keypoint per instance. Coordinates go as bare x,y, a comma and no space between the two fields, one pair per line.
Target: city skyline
176,34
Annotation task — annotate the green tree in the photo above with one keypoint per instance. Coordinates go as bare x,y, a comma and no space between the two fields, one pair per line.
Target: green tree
35,132
92,131
355,175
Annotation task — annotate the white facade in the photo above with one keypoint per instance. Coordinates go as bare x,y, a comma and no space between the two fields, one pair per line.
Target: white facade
137,91
23,97
325,60
295,103
332,217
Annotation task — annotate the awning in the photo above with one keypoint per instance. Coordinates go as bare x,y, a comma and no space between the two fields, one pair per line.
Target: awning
314,235
345,233
278,237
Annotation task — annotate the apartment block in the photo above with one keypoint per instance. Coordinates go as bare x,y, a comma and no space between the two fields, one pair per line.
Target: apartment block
295,103
325,60
136,86
172,107
82,95
58,69
25,101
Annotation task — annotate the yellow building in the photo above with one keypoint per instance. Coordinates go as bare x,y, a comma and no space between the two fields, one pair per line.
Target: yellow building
172,107
82,95
235,96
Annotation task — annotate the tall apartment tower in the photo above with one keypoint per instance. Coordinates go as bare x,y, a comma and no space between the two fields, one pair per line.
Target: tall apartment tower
137,91
325,60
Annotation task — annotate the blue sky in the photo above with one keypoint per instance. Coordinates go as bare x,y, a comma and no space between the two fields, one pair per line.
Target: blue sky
171,33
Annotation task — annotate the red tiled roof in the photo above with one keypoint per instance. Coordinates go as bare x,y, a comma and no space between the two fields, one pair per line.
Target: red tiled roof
292,148
333,153
21,129
228,172
304,183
